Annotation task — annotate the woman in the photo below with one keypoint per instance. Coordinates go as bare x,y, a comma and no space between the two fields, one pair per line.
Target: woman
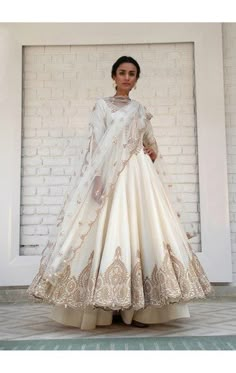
120,248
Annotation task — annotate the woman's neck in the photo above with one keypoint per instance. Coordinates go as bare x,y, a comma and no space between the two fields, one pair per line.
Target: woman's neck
123,94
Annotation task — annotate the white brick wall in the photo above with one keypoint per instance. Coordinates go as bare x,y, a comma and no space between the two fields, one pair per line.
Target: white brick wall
60,85
229,51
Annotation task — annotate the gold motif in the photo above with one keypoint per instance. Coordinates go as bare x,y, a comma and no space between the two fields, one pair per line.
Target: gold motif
116,288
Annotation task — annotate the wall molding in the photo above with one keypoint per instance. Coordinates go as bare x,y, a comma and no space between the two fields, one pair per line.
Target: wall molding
210,113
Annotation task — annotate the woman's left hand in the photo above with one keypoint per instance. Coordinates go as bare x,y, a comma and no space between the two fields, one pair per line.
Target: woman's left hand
152,154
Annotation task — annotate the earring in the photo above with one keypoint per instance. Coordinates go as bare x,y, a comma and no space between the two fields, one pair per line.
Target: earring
114,84
135,86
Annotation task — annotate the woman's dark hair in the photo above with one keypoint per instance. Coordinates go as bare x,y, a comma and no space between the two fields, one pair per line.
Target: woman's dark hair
122,60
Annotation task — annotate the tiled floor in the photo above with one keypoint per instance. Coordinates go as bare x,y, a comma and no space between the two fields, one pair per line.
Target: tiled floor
31,321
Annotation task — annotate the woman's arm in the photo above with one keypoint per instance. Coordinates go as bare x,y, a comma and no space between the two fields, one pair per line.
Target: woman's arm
97,127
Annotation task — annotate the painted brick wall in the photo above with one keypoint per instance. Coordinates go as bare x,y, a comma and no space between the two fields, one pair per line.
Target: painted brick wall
60,86
229,53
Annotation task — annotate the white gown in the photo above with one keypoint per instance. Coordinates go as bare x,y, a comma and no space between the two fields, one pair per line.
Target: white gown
136,258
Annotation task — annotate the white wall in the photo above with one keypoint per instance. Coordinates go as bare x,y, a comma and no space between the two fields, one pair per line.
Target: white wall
229,51
57,99
60,85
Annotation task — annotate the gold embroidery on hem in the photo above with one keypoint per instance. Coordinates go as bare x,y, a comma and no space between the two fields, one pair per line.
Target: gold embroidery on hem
116,289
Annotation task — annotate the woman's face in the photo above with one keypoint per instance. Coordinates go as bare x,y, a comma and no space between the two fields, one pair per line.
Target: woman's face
125,77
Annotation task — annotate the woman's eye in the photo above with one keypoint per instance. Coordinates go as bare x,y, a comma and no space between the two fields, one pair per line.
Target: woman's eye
123,72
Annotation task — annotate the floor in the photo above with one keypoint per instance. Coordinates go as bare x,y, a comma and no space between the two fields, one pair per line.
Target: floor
22,321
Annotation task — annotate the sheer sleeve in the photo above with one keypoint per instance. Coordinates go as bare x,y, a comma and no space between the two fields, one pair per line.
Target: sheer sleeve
97,128
97,125
148,137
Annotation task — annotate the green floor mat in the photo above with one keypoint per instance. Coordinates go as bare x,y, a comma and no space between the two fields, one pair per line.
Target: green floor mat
140,343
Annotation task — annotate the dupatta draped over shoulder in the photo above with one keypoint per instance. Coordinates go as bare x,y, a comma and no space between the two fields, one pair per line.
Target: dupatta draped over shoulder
118,128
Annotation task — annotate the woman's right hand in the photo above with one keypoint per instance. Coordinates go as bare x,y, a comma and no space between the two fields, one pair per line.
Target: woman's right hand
97,189
151,152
